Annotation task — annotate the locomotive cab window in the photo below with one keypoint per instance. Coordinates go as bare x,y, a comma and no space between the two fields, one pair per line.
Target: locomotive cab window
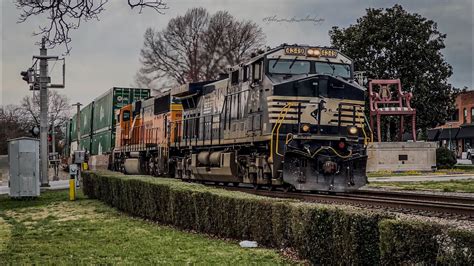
286,66
341,70
256,71
245,73
126,116
235,77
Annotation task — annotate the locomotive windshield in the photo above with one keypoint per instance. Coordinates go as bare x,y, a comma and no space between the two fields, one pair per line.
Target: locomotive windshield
296,67
284,66
341,70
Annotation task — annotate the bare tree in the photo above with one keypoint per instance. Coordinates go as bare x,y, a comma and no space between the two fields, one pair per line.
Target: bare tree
11,126
58,110
197,46
66,15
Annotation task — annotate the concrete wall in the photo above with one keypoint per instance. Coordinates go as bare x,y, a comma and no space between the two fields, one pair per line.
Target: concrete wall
401,156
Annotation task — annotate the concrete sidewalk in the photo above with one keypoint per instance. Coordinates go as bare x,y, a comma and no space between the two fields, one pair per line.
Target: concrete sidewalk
54,185
421,178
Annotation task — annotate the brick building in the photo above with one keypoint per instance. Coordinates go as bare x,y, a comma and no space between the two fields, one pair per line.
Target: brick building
458,133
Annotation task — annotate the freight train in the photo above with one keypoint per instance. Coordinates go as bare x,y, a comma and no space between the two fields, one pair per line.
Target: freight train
291,117
97,121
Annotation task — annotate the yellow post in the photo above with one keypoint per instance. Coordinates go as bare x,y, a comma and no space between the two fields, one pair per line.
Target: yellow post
72,189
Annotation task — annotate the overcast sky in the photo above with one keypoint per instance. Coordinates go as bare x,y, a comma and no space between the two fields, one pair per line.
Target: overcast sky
105,53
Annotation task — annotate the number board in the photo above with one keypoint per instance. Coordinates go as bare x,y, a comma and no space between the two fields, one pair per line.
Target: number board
328,53
316,52
295,51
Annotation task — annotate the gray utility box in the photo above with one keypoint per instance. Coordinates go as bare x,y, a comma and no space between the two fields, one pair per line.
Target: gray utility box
23,158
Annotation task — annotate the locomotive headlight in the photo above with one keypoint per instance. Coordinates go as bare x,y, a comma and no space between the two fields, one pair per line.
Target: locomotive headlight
305,128
352,130
313,52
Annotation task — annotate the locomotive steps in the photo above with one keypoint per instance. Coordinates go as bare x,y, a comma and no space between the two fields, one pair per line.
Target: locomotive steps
323,234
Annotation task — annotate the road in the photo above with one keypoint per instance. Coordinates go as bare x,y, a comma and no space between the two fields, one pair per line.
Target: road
54,185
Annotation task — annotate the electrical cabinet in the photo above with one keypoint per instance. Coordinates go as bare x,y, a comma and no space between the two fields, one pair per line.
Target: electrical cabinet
23,159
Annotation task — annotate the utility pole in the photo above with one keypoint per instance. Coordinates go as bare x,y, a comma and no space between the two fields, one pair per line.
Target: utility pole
78,124
42,82
43,87
53,138
54,156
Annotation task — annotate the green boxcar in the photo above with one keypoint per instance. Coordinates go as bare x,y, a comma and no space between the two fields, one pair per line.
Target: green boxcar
115,98
73,132
98,119
87,119
67,139
85,143
103,142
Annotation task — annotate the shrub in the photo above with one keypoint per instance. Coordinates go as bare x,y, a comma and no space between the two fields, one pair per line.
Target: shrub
323,234
411,242
445,158
404,242
457,248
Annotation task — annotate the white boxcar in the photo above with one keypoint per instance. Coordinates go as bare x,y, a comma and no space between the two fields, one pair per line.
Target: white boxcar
23,159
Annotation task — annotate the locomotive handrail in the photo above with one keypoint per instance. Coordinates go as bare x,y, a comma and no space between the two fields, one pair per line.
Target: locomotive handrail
203,122
333,150
366,138
278,129
278,123
289,137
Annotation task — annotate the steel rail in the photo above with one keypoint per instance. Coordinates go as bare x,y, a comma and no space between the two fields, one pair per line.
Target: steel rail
410,205
417,196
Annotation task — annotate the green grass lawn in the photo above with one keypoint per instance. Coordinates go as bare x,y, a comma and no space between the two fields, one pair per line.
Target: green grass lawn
458,169
53,230
446,186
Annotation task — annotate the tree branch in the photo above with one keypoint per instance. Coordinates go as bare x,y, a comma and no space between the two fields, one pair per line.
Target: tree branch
66,15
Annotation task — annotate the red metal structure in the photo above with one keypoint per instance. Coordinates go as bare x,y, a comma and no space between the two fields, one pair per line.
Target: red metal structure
388,99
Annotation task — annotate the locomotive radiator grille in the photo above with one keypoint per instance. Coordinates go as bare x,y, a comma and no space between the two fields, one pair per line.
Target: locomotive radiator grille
277,103
346,116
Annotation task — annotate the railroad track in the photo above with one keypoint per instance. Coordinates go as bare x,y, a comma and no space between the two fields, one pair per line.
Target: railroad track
418,196
411,203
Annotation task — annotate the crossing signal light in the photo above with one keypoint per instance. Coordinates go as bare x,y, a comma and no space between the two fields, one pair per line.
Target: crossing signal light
28,75
35,131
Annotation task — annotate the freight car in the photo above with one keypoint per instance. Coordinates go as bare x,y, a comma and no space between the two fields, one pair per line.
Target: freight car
97,120
291,117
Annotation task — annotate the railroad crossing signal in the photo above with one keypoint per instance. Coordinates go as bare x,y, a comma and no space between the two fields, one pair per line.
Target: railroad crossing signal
41,82
28,75
35,131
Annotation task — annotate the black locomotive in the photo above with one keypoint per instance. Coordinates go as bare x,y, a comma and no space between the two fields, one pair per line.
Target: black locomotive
291,117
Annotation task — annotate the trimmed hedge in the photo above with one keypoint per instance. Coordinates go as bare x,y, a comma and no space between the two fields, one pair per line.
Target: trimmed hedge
445,158
323,234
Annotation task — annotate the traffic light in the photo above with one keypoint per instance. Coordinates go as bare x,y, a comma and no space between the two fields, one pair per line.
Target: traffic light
28,75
